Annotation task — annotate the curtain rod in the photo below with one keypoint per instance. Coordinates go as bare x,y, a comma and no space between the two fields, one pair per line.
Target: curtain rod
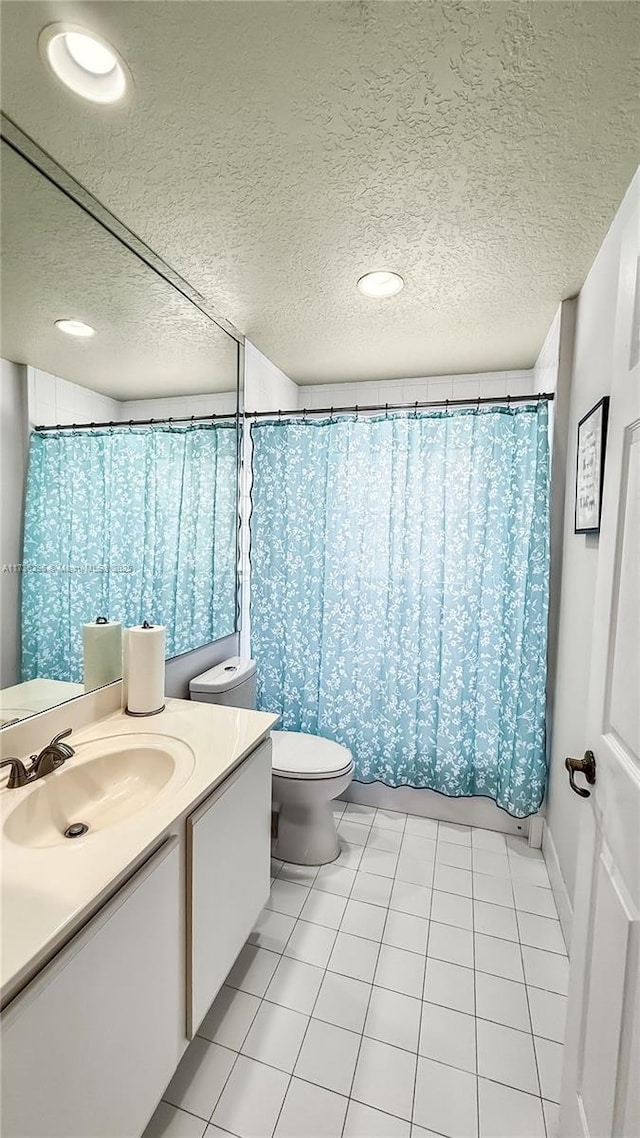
135,423
358,408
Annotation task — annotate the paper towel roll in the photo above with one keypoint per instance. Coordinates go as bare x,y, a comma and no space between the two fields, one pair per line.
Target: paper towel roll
144,669
102,652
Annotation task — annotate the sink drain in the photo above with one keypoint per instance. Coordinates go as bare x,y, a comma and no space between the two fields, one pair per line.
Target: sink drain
76,830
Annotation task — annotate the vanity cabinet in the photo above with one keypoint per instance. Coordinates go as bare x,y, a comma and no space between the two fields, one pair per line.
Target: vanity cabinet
89,1046
228,871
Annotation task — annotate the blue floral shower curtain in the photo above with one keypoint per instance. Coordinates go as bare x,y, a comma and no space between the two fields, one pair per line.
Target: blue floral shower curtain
399,593
132,524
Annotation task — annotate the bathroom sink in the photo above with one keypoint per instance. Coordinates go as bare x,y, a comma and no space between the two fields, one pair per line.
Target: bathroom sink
105,783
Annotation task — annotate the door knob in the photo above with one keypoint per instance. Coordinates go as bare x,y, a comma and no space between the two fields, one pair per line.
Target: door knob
587,767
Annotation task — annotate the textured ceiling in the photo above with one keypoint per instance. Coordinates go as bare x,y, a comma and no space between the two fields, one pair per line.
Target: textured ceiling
58,262
273,152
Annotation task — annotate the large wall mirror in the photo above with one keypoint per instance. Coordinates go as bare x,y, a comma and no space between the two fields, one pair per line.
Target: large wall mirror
119,451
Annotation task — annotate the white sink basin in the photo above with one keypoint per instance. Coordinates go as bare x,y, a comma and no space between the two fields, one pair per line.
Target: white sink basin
103,784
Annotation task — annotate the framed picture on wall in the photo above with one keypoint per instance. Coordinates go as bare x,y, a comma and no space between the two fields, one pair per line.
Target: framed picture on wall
592,441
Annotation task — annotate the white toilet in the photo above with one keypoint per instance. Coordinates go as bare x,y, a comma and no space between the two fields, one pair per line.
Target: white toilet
308,771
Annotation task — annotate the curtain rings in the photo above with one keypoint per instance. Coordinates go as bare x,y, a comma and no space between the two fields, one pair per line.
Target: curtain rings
415,409
331,418
386,410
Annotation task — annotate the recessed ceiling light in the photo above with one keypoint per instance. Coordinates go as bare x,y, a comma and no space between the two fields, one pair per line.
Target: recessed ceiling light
380,284
84,62
90,54
75,328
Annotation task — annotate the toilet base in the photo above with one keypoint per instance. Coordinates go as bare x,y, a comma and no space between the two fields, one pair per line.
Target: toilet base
307,834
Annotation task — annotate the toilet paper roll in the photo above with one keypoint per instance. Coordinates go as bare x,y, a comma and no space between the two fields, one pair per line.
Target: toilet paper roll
101,653
144,669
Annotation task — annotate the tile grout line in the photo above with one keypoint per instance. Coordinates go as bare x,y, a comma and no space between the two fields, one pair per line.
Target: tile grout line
257,1011
313,1006
533,1041
264,1000
388,907
530,1033
372,985
233,1065
475,994
489,876
321,1086
444,924
422,1001
183,1110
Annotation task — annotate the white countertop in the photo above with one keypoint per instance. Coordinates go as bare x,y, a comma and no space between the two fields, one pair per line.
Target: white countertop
32,696
46,892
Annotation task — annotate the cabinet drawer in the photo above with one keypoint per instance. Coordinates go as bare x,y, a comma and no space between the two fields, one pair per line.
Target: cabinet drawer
228,859
89,1046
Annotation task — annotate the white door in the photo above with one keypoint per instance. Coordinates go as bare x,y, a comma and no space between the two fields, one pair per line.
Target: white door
601,1081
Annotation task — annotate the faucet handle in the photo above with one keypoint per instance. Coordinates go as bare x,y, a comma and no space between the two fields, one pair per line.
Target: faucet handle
64,748
19,775
62,735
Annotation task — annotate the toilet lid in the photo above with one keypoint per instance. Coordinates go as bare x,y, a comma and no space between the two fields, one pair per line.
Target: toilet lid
296,755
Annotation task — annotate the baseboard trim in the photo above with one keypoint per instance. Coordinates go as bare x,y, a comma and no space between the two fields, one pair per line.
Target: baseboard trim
558,886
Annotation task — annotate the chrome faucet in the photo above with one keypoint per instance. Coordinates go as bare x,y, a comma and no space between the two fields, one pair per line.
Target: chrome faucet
50,758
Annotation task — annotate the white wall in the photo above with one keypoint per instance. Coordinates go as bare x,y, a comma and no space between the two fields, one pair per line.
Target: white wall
409,390
55,400
179,406
266,388
545,371
592,355
13,456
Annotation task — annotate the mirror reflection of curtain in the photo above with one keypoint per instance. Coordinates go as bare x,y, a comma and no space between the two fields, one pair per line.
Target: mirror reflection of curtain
131,524
400,590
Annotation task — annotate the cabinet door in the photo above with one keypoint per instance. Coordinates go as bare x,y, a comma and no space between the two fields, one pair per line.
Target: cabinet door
228,858
89,1046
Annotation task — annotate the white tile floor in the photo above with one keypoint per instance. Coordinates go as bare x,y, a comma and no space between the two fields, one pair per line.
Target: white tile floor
415,987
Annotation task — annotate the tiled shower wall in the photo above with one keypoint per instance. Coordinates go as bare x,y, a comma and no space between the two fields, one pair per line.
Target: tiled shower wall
409,390
55,400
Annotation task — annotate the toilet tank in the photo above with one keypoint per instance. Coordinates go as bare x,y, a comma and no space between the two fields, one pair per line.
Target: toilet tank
233,682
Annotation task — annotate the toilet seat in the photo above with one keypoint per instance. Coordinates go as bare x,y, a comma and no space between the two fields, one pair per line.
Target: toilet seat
301,756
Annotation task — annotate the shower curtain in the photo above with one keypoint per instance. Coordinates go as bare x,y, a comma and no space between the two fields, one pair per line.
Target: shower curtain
132,524
399,593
